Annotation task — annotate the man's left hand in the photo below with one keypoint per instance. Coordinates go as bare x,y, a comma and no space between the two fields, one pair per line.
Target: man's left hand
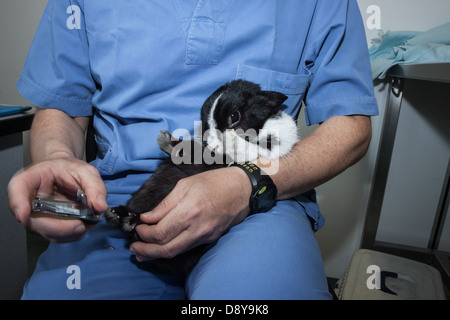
197,211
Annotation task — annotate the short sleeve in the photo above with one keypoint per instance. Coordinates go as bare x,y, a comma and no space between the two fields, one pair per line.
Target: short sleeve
57,73
337,57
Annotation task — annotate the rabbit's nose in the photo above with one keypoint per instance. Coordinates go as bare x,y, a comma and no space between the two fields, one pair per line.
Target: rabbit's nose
213,143
215,147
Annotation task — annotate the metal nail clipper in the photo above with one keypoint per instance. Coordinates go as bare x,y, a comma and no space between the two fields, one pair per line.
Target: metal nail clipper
75,209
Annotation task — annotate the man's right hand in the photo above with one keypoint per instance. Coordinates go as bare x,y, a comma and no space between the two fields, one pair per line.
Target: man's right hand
60,179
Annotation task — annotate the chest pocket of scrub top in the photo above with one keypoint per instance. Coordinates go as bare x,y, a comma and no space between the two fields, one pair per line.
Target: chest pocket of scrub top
292,85
204,29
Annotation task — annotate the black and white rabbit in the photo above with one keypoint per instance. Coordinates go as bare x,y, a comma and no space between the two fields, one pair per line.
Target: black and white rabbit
240,122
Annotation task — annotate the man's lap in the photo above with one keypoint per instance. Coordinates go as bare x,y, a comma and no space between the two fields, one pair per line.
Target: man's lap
106,270
272,255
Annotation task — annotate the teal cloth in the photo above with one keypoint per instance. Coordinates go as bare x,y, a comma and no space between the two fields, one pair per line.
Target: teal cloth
402,47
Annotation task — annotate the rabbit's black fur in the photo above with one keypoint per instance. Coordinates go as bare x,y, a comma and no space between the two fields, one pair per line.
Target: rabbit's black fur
238,105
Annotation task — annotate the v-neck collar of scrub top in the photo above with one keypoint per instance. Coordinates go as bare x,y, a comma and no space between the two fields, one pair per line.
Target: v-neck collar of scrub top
204,23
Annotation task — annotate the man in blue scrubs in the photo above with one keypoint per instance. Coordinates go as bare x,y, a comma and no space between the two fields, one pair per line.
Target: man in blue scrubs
143,66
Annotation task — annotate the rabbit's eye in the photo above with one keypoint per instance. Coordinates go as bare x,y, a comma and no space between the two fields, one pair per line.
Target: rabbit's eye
234,118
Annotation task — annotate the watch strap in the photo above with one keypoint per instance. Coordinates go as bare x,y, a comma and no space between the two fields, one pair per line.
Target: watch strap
252,171
258,178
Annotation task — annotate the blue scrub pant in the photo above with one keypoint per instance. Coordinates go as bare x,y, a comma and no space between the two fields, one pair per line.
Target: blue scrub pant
272,255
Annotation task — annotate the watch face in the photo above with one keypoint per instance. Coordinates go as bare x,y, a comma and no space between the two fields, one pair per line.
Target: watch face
264,198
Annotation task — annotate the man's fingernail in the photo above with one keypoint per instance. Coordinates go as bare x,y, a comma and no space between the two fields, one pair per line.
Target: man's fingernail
142,258
80,229
16,215
101,198
147,214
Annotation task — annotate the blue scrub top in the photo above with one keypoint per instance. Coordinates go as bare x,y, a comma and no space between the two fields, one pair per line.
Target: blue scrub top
148,65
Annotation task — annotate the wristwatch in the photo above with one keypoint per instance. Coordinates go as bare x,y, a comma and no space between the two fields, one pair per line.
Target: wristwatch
264,191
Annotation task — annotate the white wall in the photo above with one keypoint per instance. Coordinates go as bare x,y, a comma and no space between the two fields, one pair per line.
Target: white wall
18,22
344,199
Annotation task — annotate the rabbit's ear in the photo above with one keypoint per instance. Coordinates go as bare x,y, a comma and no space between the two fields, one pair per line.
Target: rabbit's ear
274,99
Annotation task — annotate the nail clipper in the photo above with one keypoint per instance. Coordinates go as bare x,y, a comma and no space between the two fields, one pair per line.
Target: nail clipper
75,209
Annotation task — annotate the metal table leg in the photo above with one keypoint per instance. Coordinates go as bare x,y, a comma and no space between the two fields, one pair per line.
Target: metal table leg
383,162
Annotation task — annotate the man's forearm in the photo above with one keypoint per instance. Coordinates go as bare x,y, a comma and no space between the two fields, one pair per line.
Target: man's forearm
198,202
334,146
54,135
